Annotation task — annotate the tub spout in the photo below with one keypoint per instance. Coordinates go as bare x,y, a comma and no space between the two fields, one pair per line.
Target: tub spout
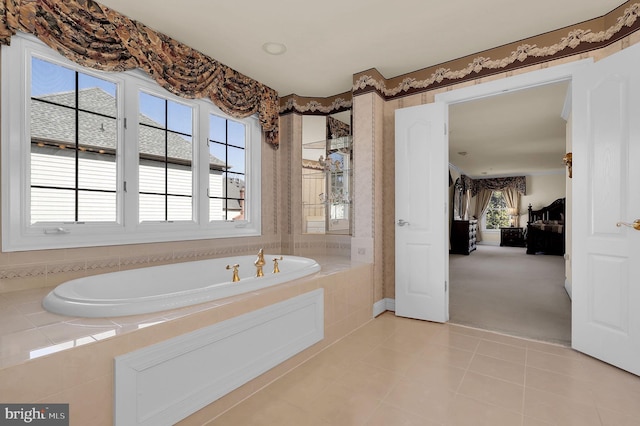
260,263
276,268
236,277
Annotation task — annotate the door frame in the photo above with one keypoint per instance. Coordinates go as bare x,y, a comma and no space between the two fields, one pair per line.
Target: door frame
526,80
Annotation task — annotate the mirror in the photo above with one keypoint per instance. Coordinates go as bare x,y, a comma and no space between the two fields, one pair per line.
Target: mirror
326,174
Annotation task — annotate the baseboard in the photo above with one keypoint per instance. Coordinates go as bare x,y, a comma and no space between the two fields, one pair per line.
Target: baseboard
384,305
567,287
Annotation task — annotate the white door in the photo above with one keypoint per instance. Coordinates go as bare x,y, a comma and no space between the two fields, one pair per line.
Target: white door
422,263
606,171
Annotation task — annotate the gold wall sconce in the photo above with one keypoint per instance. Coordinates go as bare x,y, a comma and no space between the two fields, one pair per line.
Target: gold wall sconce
567,160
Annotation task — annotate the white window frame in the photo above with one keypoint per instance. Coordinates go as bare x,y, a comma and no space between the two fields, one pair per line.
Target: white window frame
19,235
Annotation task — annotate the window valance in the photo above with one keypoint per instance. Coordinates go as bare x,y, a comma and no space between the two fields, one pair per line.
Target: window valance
519,183
95,36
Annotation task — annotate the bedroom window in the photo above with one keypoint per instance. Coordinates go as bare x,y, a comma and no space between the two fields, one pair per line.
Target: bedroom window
92,158
497,214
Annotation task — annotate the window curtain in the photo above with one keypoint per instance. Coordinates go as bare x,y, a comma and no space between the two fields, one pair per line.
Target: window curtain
95,36
512,198
482,202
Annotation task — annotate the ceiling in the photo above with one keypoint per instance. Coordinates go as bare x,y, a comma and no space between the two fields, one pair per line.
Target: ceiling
515,133
328,41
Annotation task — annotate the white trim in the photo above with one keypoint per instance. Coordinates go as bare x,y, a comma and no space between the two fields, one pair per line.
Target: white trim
523,81
384,305
567,287
166,382
530,79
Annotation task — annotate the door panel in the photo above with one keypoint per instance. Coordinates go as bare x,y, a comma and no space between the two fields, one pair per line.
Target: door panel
606,257
422,265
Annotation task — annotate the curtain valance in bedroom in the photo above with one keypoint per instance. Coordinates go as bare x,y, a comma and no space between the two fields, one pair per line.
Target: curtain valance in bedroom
519,183
95,36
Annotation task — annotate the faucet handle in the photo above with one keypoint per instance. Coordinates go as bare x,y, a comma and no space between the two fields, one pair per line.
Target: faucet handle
236,277
276,268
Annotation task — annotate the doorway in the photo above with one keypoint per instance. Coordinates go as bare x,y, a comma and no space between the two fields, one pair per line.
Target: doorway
495,287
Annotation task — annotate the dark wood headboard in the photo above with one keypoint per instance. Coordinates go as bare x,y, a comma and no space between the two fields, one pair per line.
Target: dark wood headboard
554,211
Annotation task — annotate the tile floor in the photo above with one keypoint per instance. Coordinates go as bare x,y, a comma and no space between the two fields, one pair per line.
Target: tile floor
396,371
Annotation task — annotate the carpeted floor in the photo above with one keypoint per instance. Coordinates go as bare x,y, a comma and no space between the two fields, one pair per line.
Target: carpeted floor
505,290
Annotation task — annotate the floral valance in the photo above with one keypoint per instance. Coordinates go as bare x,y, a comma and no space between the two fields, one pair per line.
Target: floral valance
519,183
95,36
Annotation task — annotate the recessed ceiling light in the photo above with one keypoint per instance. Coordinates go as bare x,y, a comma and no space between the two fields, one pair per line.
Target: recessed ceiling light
274,48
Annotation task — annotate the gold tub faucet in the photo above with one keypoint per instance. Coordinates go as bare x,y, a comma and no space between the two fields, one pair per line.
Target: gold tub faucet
236,277
276,268
259,264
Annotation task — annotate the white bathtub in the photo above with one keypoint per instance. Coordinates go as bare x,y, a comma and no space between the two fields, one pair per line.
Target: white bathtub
158,288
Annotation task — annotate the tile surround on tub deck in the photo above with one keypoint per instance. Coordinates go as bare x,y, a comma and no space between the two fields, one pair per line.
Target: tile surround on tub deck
27,331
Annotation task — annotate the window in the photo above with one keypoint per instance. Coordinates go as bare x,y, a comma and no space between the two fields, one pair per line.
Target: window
497,214
92,158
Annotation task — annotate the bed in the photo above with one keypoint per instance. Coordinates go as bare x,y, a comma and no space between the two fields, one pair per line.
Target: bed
546,230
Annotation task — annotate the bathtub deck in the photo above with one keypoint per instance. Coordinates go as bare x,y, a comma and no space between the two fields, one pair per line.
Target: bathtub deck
27,331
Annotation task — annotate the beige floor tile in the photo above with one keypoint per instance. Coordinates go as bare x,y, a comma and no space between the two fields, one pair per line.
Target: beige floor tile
386,415
339,405
559,384
498,368
433,403
369,380
617,399
468,411
552,349
444,355
530,421
615,418
558,364
492,391
558,410
389,359
443,376
502,351
456,340
405,342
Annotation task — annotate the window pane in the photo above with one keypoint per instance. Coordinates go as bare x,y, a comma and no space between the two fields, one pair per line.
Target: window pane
96,206
180,149
217,154
235,159
166,159
52,205
96,95
496,216
63,162
179,180
152,110
217,128
179,118
52,124
97,171
216,209
52,167
236,134
151,207
179,208
97,133
152,177
49,79
215,184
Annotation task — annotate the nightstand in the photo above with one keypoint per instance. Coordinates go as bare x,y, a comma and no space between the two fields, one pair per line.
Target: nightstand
512,237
